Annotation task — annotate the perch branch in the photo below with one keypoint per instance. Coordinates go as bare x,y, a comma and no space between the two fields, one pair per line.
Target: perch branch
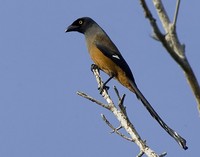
121,117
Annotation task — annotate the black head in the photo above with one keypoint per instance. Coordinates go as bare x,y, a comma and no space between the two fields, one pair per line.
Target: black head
80,25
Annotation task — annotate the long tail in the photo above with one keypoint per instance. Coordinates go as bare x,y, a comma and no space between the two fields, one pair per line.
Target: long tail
181,141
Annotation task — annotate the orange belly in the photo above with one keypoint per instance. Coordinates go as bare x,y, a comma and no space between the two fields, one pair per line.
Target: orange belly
109,67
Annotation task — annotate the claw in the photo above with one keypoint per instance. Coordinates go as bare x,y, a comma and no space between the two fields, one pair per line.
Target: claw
103,87
94,66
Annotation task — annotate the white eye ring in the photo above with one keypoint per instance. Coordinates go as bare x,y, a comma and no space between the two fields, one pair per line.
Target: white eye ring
80,22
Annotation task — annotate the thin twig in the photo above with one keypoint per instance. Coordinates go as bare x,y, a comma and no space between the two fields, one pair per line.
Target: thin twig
121,101
117,92
158,35
176,12
141,153
92,99
121,105
116,130
163,154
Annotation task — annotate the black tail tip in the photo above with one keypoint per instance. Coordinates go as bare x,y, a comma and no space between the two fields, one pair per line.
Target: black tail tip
185,147
182,143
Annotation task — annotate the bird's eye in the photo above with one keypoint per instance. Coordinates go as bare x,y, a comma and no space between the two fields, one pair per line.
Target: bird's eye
80,22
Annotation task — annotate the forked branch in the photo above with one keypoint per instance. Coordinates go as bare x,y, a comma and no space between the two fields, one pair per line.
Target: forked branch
171,43
121,115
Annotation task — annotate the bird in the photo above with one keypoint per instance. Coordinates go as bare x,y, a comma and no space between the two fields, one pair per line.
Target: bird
108,58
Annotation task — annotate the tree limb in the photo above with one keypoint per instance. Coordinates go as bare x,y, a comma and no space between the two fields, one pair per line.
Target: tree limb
171,42
121,116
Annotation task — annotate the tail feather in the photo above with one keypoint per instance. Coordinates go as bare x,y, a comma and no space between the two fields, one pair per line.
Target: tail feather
181,141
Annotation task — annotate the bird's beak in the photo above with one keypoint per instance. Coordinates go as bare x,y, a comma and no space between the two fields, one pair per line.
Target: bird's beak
71,28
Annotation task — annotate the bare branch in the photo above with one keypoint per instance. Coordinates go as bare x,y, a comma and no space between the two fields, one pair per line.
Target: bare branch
171,42
117,92
92,99
115,130
121,101
176,12
118,128
162,14
121,117
163,154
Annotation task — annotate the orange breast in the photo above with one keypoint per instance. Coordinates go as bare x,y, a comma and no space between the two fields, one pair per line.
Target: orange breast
108,66
103,62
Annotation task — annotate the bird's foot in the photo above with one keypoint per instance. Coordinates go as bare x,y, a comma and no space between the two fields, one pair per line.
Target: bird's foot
93,67
103,87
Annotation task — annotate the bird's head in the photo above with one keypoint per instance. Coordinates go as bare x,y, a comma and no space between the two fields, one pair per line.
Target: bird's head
80,25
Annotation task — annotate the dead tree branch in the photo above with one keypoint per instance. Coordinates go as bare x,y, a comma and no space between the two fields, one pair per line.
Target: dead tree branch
116,130
171,43
121,115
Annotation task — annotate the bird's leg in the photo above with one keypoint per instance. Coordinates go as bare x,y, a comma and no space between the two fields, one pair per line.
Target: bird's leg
104,84
101,88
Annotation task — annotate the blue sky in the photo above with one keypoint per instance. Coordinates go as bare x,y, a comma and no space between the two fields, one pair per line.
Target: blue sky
41,69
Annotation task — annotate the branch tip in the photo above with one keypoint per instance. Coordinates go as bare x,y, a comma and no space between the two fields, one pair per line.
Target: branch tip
176,13
163,154
141,153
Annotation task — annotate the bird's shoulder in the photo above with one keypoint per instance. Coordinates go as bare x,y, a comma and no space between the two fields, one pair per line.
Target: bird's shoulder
102,41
